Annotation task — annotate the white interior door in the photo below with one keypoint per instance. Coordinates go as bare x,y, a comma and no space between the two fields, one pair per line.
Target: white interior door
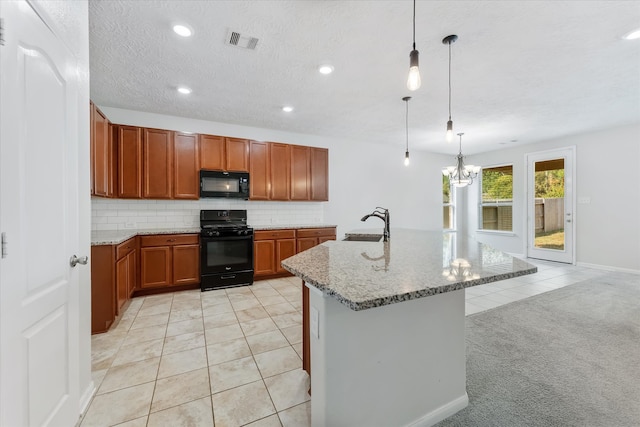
39,297
550,205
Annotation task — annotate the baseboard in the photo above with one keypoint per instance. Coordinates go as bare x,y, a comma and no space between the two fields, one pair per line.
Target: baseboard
607,268
442,412
86,397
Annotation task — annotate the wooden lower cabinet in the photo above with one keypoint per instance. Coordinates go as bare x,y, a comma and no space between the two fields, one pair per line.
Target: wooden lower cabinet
126,270
103,288
169,260
270,247
310,237
113,278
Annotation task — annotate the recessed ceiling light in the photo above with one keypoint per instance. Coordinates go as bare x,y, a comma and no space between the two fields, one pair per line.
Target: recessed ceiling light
287,108
633,35
182,30
325,69
184,90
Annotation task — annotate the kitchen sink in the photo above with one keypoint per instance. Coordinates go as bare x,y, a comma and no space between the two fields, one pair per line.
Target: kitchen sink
363,238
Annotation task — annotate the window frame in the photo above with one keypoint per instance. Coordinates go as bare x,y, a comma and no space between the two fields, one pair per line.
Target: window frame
451,205
497,204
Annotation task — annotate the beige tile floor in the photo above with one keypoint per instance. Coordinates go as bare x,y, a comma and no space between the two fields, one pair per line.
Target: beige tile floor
233,357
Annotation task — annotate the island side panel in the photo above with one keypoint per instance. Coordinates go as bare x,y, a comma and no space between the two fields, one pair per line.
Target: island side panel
401,364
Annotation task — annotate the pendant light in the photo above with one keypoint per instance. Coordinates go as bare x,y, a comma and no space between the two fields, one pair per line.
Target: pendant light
448,40
406,153
461,175
413,81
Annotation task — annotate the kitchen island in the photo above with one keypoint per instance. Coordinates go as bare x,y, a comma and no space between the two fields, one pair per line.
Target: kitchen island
387,324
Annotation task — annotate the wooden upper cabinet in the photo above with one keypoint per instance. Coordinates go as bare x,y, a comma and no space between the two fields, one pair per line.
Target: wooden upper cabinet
279,165
186,166
157,165
259,171
223,153
212,152
129,143
300,172
319,174
237,154
102,155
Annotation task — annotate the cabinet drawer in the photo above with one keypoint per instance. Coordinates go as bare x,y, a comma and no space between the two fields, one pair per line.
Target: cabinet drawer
274,234
124,248
316,232
168,240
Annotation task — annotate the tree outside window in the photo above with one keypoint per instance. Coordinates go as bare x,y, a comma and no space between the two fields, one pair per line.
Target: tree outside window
496,205
447,204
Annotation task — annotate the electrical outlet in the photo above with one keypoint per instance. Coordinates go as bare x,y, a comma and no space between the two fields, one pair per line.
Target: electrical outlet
129,225
314,322
584,200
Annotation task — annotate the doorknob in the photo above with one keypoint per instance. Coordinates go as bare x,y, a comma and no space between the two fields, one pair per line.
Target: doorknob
75,260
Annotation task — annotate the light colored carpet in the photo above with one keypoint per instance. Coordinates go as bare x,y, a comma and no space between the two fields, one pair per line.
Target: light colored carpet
569,357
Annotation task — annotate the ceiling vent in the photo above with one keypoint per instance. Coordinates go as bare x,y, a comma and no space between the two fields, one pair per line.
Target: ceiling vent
234,38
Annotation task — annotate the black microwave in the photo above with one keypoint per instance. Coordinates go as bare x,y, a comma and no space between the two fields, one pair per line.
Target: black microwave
233,185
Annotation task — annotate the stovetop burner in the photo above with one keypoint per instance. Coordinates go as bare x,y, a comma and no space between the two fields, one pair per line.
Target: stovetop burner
224,222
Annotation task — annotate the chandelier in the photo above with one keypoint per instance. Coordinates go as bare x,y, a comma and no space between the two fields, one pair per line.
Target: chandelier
461,175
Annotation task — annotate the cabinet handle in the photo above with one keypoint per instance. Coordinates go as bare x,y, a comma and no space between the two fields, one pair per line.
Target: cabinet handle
171,240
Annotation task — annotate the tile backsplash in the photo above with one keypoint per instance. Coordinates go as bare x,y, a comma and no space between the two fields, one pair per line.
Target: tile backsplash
124,214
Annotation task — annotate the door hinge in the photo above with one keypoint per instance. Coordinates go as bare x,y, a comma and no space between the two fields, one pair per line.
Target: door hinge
4,245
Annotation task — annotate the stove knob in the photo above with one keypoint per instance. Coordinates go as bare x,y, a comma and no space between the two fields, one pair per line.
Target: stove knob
239,232
217,233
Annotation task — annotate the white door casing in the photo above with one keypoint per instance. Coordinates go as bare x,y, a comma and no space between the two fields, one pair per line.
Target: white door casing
39,296
567,254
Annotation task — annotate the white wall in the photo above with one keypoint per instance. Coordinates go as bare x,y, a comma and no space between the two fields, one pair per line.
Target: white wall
361,177
608,228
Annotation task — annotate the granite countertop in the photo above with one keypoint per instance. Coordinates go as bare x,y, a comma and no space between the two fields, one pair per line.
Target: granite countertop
290,226
116,237
412,264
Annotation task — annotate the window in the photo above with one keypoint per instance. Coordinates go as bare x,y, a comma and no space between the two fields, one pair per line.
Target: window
497,198
447,204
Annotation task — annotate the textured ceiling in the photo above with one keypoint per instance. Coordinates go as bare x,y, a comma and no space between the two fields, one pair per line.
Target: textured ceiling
522,71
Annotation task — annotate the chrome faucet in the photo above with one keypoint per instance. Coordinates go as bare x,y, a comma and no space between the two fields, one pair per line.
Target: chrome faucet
383,215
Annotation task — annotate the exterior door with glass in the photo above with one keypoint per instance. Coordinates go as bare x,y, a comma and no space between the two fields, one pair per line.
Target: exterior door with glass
550,205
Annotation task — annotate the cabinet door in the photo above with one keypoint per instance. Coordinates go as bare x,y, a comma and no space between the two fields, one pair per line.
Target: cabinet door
264,257
122,285
212,152
279,165
103,156
237,154
259,171
319,174
129,161
186,264
155,266
186,166
306,243
284,249
300,172
132,264
157,165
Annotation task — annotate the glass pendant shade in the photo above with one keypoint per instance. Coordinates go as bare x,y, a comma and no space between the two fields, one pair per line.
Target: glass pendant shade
413,81
461,175
406,158
449,131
